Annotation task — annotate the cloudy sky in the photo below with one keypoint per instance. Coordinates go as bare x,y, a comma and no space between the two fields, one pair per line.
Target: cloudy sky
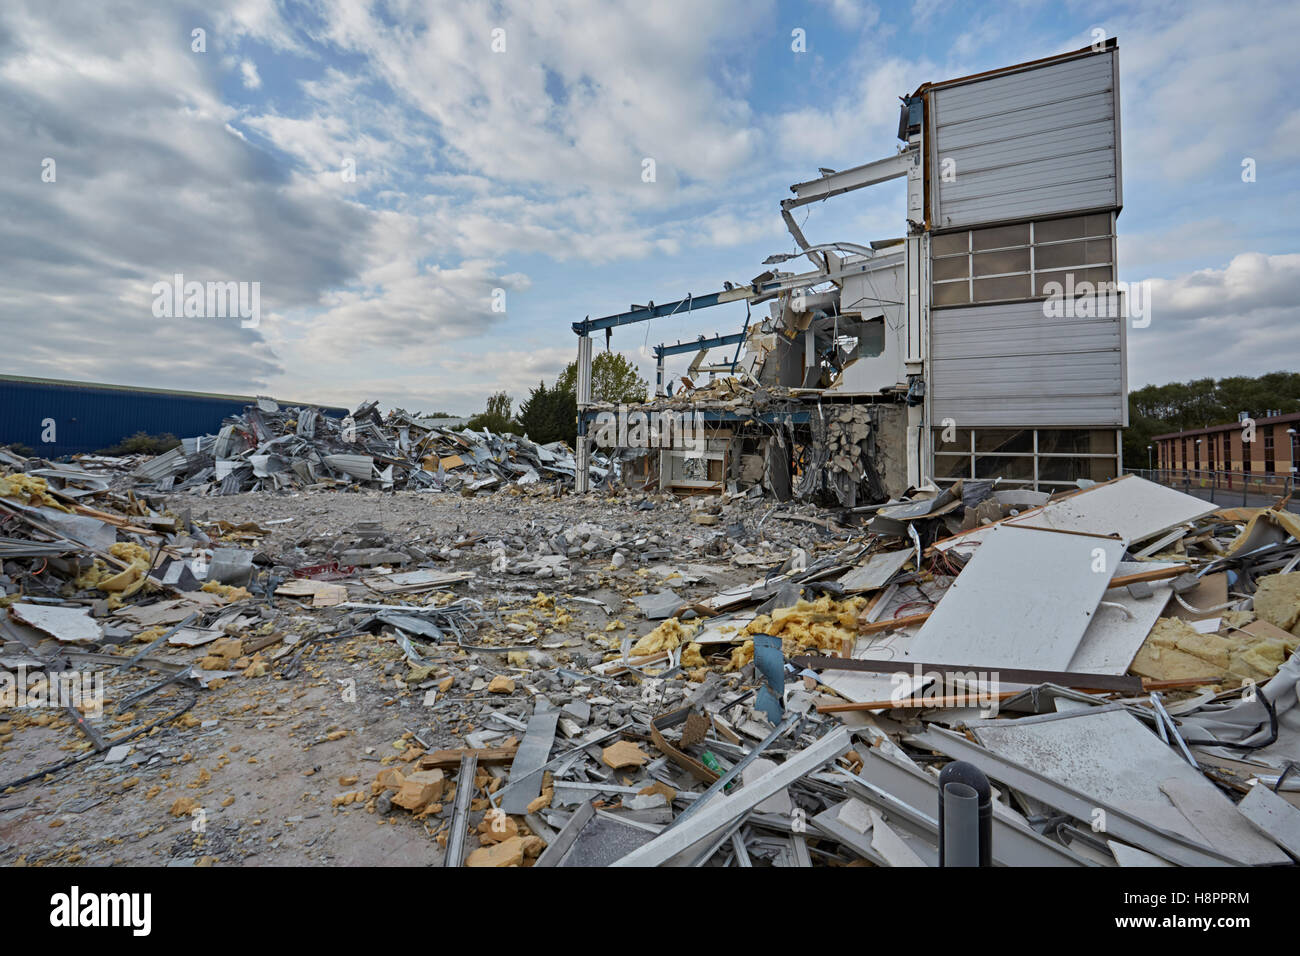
381,169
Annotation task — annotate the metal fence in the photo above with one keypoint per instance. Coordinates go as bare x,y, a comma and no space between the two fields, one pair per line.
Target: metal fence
1228,488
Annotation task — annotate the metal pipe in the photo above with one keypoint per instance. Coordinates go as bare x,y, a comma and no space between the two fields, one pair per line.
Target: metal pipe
961,836
959,783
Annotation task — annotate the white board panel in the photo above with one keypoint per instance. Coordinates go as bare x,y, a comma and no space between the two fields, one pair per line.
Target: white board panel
1131,507
1108,754
1023,601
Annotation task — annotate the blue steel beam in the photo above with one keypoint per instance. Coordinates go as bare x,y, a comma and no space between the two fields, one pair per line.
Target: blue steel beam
682,348
682,306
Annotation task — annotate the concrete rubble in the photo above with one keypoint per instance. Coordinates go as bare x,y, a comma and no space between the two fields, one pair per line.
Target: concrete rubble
299,664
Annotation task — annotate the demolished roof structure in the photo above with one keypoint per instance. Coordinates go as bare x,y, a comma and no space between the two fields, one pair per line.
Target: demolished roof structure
987,342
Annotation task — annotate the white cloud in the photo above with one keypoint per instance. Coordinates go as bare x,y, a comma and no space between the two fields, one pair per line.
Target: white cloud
1251,282
852,13
470,163
1242,319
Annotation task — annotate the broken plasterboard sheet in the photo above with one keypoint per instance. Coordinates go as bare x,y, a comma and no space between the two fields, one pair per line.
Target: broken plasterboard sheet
876,572
1273,817
322,593
1132,507
1131,856
169,612
1204,809
1024,600
72,625
729,630
886,841
195,636
659,605
421,579
851,824
1109,755
861,686
1115,634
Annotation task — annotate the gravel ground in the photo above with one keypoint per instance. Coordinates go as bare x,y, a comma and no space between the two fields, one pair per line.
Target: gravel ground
257,771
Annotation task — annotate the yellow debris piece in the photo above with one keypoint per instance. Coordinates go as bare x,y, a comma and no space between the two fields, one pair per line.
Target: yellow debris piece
30,490
823,624
118,581
691,657
668,636
1277,600
227,591
1175,650
149,635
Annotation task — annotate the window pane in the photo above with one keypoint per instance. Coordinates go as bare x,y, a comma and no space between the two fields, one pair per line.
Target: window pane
1054,230
994,263
952,466
1005,440
993,466
954,267
1098,224
1070,469
951,293
1076,441
947,245
1072,254
1008,287
1000,236
960,440
1093,275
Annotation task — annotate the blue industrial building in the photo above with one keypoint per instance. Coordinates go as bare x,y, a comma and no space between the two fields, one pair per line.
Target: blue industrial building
86,416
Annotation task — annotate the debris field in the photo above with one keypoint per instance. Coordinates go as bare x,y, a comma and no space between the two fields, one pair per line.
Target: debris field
416,645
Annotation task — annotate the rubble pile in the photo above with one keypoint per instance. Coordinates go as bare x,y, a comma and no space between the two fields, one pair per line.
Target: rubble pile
584,681
274,448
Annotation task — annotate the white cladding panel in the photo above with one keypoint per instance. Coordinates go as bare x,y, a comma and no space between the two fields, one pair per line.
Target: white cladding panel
1011,365
1027,145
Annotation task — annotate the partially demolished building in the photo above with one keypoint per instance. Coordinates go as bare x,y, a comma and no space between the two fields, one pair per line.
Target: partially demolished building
988,342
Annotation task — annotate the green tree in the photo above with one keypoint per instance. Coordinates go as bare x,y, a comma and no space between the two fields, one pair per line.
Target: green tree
1180,406
549,414
613,379
142,444
496,417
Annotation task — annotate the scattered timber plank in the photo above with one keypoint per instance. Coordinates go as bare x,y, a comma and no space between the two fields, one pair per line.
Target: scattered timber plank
447,759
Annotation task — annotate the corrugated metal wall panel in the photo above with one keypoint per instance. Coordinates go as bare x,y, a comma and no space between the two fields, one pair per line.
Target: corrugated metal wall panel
87,419
1027,145
1011,365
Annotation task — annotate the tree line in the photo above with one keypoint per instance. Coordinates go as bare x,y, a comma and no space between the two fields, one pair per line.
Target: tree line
551,414
1182,406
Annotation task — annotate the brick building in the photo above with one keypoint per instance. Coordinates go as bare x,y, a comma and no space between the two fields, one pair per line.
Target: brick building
1271,458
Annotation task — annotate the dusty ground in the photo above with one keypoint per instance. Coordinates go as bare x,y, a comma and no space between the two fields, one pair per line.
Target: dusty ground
264,759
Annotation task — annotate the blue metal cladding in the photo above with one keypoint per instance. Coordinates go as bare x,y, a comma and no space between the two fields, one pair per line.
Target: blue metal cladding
87,418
